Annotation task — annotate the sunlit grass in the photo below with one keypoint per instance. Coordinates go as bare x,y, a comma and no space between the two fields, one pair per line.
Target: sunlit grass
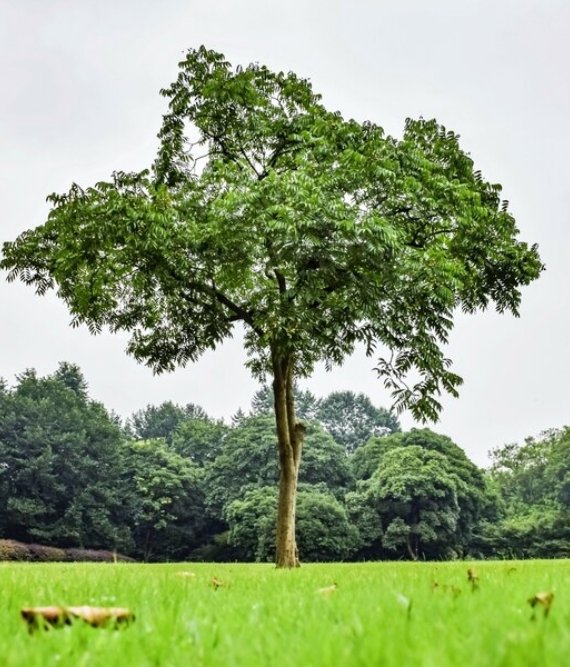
379,614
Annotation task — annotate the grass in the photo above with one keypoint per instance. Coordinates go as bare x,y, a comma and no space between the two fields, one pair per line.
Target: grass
379,614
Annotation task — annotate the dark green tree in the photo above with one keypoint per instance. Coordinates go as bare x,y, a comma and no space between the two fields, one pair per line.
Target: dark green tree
161,421
314,232
306,403
414,495
352,419
248,459
475,499
60,465
199,439
533,481
166,496
71,376
324,531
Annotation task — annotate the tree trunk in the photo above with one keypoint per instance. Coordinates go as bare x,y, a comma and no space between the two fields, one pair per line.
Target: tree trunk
290,435
413,553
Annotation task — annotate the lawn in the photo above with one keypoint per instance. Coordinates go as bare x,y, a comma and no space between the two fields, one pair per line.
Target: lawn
364,614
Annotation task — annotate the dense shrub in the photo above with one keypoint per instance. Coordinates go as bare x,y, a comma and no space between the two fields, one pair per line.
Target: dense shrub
11,550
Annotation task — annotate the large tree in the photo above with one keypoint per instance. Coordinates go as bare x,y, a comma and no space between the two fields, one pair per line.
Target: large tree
414,495
471,493
61,465
315,232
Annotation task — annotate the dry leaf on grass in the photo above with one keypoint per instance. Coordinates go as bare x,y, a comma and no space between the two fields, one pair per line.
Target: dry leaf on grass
473,579
448,588
543,600
97,617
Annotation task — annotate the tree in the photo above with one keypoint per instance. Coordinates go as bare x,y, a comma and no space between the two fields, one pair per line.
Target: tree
71,376
414,494
60,465
324,531
199,439
474,497
248,459
167,500
314,232
533,482
351,419
162,421
306,403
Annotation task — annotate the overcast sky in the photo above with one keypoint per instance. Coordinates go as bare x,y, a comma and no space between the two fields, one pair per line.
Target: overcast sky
80,84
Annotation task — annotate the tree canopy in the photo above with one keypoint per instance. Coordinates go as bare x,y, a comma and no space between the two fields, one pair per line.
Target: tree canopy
352,419
60,464
423,485
316,232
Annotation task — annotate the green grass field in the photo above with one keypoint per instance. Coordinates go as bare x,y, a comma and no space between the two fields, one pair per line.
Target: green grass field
379,614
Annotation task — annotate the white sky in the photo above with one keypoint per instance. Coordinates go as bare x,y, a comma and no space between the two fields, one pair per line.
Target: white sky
80,99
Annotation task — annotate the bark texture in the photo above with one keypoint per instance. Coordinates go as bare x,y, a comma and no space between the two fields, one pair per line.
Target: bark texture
290,435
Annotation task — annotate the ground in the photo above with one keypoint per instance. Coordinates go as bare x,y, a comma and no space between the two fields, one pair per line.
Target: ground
397,614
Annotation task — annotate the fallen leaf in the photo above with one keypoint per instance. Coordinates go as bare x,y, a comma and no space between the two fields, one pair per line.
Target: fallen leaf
448,588
544,600
97,617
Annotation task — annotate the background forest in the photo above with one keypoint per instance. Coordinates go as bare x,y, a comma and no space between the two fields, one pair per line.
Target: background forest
174,484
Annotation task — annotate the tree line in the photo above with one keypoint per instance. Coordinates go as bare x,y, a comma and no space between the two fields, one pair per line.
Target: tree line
172,483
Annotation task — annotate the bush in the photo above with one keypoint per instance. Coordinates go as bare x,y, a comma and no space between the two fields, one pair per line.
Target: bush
43,554
11,550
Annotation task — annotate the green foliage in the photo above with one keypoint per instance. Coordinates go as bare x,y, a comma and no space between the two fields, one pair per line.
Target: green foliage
324,531
414,494
69,479
248,459
316,232
352,419
252,524
163,420
167,500
199,439
532,481
190,431
306,403
70,375
475,497
60,463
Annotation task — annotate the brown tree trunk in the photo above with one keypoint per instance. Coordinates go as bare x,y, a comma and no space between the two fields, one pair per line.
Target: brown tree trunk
290,435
